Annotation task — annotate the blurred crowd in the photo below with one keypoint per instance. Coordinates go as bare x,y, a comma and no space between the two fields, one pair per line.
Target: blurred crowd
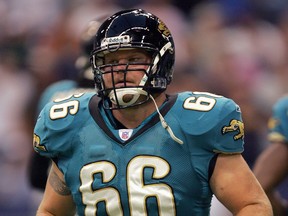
235,48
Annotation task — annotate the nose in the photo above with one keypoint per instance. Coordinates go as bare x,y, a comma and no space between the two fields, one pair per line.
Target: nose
122,65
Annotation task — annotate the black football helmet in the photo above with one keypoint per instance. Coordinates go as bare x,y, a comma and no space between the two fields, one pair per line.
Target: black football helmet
130,29
82,63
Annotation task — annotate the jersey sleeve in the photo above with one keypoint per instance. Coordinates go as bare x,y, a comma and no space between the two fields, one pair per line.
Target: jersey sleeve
58,124
47,141
278,123
213,122
41,135
229,130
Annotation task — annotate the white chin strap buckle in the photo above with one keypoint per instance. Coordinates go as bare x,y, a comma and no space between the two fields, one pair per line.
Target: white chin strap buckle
126,96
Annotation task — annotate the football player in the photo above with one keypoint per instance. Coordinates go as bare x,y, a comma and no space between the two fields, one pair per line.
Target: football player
131,149
271,167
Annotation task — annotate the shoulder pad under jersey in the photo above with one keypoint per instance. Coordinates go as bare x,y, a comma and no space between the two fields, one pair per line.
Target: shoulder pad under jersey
216,119
56,123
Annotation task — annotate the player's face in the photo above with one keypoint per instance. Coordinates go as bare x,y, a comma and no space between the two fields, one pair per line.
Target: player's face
125,68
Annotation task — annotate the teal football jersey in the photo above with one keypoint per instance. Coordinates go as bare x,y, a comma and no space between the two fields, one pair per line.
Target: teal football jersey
142,171
278,123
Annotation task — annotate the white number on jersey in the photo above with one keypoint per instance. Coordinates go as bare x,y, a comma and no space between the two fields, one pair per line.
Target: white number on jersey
138,191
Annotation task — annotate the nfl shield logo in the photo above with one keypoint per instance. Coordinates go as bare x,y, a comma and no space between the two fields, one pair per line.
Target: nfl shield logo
125,134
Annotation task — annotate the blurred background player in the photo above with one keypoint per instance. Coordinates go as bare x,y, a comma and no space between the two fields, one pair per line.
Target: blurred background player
39,166
271,167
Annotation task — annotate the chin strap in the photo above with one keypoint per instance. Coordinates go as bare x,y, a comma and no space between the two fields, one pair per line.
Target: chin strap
165,125
135,93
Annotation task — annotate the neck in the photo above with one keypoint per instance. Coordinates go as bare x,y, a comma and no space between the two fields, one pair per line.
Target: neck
132,117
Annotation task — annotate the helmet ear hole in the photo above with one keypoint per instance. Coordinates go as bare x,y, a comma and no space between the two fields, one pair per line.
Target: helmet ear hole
168,70
163,69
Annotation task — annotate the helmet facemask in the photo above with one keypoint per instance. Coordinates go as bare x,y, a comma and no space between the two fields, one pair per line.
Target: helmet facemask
125,95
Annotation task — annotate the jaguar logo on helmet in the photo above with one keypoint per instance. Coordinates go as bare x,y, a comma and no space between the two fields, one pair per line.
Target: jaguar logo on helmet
162,28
